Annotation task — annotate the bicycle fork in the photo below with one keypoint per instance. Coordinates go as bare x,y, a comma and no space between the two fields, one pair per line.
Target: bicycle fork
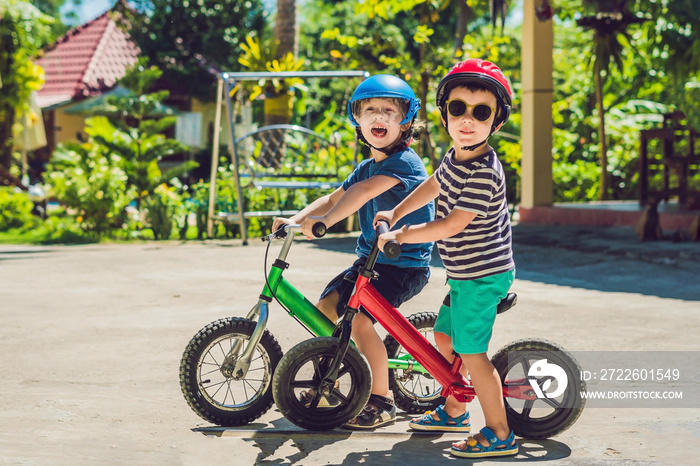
235,366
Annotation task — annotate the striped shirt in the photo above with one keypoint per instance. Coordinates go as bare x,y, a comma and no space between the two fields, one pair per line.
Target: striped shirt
484,247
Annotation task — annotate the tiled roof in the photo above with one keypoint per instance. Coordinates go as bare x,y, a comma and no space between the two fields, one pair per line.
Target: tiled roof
86,61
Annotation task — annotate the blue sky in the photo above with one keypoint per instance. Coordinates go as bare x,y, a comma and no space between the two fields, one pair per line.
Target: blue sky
88,10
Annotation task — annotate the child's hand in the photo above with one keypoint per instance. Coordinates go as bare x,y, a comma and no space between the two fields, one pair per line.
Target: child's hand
309,223
279,222
387,215
386,237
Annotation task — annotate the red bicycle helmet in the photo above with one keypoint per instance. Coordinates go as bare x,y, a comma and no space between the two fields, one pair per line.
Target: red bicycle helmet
484,73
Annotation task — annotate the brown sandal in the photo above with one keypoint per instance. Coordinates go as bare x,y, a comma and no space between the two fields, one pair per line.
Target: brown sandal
379,411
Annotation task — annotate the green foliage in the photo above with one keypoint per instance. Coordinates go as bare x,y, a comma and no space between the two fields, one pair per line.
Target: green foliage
23,31
185,39
15,210
259,57
161,207
54,9
140,149
138,140
88,179
657,70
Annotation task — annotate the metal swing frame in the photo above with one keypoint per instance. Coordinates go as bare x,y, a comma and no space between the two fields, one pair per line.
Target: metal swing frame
225,83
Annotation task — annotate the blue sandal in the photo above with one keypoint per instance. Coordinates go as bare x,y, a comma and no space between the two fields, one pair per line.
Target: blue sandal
445,424
497,447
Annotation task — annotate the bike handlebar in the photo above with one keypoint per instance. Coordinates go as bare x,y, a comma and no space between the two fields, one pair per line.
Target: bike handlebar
280,233
392,248
319,230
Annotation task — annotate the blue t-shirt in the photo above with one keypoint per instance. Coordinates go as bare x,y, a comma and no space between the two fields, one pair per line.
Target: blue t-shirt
408,168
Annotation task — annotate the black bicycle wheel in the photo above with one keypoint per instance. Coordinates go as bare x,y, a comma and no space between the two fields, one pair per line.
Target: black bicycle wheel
558,404
414,392
207,384
304,367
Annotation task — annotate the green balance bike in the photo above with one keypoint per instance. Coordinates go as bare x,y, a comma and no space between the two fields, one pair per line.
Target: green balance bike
227,369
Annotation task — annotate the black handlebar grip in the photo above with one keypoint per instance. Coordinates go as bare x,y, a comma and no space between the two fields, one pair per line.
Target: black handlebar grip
319,230
392,248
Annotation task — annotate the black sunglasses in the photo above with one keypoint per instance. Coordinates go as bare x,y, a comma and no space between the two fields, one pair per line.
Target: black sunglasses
458,107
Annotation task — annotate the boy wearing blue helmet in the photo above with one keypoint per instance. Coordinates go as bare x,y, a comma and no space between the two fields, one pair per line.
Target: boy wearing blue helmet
383,110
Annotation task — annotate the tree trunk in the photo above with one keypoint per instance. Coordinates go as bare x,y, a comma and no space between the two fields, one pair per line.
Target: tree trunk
278,110
462,21
7,114
9,87
285,28
603,194
425,139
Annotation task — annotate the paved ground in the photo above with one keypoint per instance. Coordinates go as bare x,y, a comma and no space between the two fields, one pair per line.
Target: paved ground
91,339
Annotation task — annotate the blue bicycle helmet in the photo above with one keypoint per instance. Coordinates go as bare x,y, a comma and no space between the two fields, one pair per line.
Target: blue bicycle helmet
385,86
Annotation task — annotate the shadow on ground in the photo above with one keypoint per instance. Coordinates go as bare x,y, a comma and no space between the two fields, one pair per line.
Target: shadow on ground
286,444
610,259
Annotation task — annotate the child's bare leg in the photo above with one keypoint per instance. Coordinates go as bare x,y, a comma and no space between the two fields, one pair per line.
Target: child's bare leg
452,408
371,345
329,305
487,385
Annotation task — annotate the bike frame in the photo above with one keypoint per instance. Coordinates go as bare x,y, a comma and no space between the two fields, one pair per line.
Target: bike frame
297,305
447,374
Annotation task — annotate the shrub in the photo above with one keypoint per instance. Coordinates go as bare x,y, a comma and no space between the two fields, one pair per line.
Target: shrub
15,210
87,180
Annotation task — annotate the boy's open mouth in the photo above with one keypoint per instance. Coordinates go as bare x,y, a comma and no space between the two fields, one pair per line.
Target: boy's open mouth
378,131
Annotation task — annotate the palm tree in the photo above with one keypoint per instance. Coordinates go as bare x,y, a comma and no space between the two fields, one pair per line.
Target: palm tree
286,28
609,22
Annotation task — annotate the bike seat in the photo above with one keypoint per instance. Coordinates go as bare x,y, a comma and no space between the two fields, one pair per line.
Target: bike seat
506,303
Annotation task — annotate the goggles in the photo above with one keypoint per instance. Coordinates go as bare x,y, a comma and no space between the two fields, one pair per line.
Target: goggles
480,112
367,115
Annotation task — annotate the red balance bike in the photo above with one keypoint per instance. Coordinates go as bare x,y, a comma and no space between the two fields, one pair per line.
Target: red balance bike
541,380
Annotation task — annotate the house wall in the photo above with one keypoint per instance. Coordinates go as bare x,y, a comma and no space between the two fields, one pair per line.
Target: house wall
67,127
208,111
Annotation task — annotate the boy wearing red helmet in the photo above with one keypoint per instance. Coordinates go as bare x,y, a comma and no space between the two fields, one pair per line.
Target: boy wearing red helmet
383,110
472,229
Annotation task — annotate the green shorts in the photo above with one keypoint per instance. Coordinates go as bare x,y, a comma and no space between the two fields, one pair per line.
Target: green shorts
469,318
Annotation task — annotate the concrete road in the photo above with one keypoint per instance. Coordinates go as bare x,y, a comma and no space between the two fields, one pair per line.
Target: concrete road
92,336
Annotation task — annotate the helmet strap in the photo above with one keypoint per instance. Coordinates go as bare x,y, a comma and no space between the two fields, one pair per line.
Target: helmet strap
470,148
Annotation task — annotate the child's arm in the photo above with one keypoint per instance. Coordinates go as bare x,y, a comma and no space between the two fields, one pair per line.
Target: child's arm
426,192
350,202
318,207
456,221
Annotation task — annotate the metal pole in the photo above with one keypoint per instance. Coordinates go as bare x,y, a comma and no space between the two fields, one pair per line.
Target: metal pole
234,156
214,159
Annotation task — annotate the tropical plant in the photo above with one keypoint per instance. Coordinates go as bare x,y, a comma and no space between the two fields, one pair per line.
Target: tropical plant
609,24
15,209
191,40
162,207
87,179
23,31
136,135
276,91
